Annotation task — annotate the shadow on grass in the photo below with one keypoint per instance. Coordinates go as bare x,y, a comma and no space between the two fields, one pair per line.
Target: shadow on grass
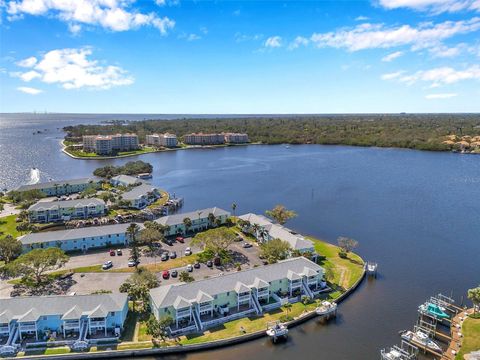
275,311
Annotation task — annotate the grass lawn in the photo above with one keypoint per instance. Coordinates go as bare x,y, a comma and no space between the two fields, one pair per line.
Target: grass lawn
471,337
160,202
8,226
162,265
81,153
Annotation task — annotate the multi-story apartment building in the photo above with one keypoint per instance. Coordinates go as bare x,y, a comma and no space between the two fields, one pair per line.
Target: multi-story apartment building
32,318
236,138
107,144
63,187
140,196
200,220
164,140
209,302
204,139
78,239
52,211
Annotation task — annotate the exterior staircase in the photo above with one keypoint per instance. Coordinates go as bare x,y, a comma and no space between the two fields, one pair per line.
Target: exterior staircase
256,304
306,289
196,318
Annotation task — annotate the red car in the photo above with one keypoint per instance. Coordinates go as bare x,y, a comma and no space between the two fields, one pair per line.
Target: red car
112,252
166,274
180,239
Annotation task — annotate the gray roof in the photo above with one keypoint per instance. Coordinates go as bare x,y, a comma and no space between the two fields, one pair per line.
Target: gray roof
277,231
169,295
126,179
138,191
53,205
32,307
60,183
193,215
72,234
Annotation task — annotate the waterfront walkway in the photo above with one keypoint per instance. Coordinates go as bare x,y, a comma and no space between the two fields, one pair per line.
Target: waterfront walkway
456,334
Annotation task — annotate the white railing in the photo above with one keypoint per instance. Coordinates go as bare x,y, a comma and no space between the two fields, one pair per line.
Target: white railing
183,330
224,319
97,324
272,306
27,327
182,314
4,329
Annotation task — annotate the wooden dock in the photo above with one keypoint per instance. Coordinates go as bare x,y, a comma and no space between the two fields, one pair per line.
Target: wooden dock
456,335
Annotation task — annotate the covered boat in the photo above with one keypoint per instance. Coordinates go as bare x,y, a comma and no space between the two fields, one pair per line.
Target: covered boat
421,338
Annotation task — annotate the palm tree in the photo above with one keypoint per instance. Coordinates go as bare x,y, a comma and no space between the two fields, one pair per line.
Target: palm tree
287,307
188,224
211,219
132,231
234,207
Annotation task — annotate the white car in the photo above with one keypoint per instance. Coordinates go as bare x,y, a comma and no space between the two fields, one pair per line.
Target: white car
189,267
188,251
107,265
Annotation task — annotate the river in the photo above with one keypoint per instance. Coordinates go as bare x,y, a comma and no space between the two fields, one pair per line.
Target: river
415,213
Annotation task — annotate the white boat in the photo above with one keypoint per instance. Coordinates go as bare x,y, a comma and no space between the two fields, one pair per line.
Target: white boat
393,354
326,308
277,330
421,338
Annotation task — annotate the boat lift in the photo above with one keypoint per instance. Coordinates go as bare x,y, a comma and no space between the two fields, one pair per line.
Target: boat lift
405,351
424,347
371,268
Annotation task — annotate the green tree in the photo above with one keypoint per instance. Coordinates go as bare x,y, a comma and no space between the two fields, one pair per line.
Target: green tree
152,235
141,277
275,250
234,207
132,232
1,206
185,277
216,240
280,214
211,219
188,224
474,296
287,307
347,244
36,263
10,249
158,329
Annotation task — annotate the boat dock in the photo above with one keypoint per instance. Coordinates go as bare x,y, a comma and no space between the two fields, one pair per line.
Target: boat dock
405,351
371,268
456,332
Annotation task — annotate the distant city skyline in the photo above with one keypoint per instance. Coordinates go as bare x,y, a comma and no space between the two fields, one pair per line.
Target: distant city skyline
234,57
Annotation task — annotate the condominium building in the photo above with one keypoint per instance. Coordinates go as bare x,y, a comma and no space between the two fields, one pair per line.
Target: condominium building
78,239
67,318
52,211
142,195
125,180
209,302
63,187
165,140
200,220
204,139
107,144
264,230
236,138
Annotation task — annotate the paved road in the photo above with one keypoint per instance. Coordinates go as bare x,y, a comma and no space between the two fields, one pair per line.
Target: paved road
9,209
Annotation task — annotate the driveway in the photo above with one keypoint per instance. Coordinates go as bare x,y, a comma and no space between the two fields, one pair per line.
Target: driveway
9,209
90,282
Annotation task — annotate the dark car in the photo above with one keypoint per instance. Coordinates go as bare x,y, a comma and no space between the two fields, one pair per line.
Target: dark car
112,252
247,245
209,263
164,256
165,274
174,273
119,252
169,242
217,261
196,265
173,254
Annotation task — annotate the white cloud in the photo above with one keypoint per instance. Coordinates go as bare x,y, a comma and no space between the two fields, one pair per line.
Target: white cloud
189,37
28,62
392,56
393,75
361,18
29,90
299,41
72,69
435,6
160,2
113,15
273,42
437,76
239,37
370,36
74,28
440,96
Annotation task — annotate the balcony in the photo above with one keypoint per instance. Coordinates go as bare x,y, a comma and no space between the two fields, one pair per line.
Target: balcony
97,323
4,329
183,314
27,327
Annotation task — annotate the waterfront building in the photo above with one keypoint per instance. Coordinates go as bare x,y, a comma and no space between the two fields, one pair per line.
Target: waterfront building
38,317
164,140
204,139
125,180
210,302
78,239
236,138
200,220
52,211
142,195
264,230
63,187
108,144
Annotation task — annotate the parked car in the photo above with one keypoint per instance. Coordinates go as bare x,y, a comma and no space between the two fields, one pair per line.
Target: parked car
189,267
164,256
132,263
247,245
173,254
188,251
209,263
217,261
107,265
196,265
165,274
119,252
180,239
238,239
169,242
174,273
112,252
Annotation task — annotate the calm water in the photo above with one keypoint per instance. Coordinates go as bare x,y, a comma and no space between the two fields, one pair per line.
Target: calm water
415,213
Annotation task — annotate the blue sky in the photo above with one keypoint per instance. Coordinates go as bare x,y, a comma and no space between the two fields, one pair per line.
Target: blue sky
177,56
